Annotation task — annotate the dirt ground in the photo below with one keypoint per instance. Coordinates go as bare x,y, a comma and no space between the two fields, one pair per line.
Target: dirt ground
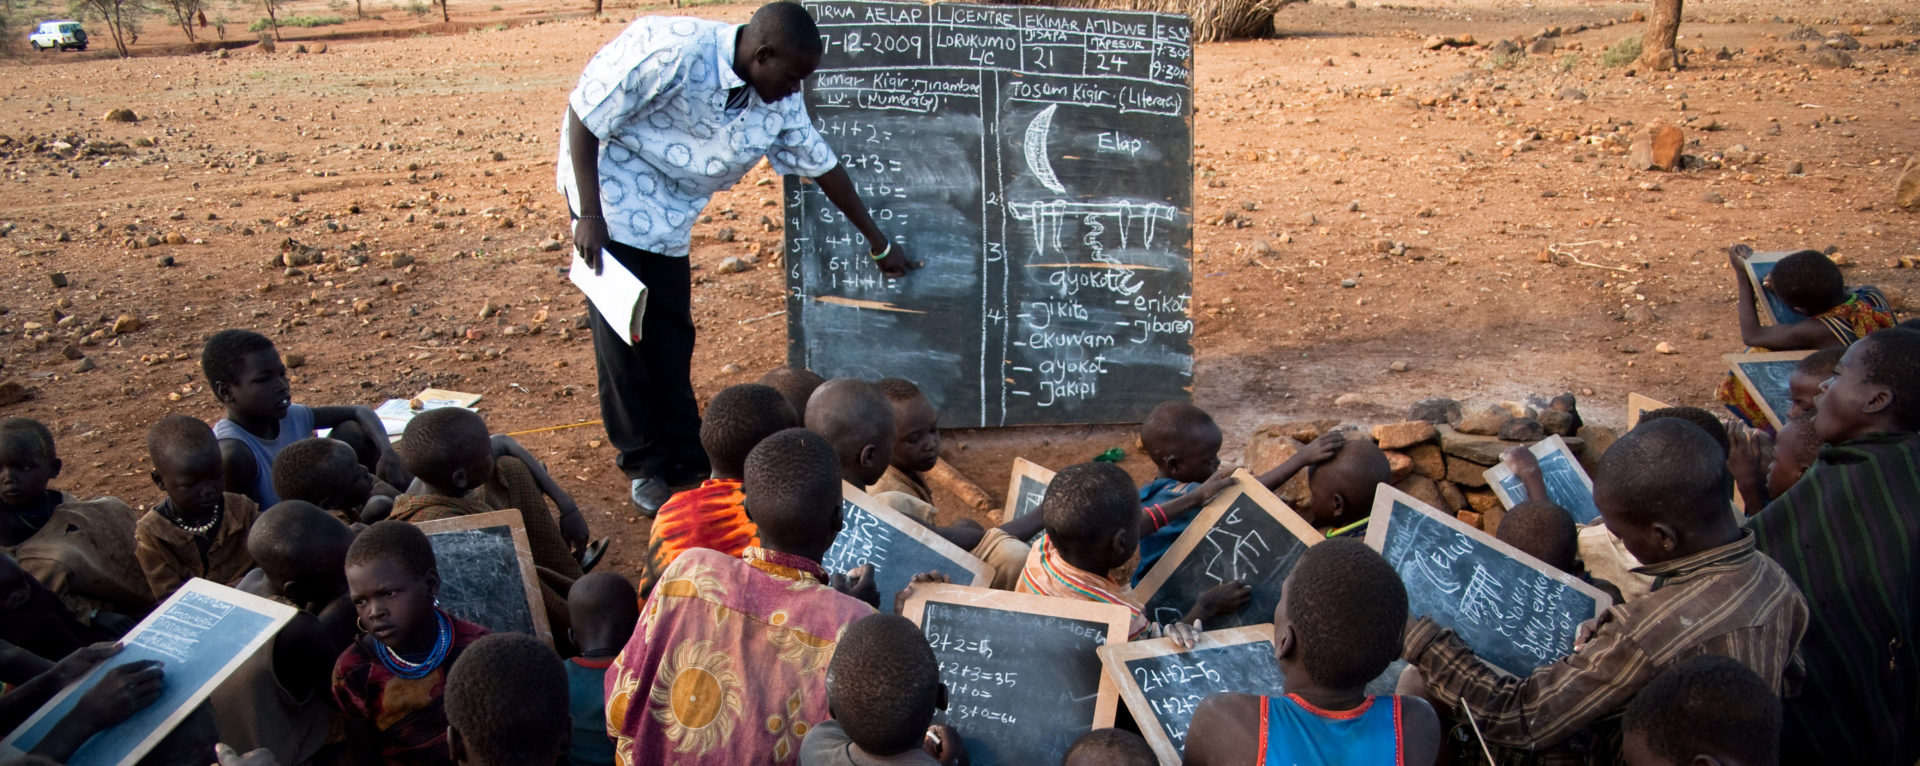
420,161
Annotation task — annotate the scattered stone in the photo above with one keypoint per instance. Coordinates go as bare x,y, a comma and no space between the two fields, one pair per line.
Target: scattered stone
1486,422
121,115
487,309
1570,93
1482,449
126,323
733,265
1438,410
400,260
293,360
1466,473
1523,430
1422,488
175,238
1558,423
1542,47
84,365
164,261
1842,41
730,369
1804,33
1796,169
725,234
1503,48
1434,43
1664,348
317,48
1349,400
550,245
1713,198
1393,436
1349,283
499,157
1399,365
11,392
1400,465
71,351
1428,460
1832,58
300,48
58,279
1656,147
1382,245
1907,194
1451,498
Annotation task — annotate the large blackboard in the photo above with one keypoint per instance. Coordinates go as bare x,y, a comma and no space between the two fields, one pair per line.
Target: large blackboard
486,572
1767,377
1510,608
1244,534
898,548
202,633
1567,483
1026,489
1022,671
1040,161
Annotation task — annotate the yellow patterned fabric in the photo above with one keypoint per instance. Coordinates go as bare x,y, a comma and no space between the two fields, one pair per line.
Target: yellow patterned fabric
728,664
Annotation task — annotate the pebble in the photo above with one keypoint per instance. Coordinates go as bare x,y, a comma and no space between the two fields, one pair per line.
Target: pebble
1796,169
733,265
400,260
487,309
58,279
126,323
1664,347
730,369
1713,198
1349,283
163,261
293,360
1348,400
725,234
71,351
550,245
1399,366
85,364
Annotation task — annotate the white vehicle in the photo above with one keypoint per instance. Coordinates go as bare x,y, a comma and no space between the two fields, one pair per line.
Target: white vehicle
58,35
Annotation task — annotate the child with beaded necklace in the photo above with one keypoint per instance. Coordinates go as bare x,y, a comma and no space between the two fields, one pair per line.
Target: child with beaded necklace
199,530
389,684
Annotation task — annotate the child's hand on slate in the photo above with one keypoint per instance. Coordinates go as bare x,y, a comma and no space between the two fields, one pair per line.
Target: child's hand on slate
1225,598
1526,467
77,663
1324,448
900,599
1214,485
1183,635
858,583
943,743
227,756
122,691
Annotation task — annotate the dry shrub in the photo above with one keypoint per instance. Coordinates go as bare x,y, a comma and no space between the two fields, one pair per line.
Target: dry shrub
1212,19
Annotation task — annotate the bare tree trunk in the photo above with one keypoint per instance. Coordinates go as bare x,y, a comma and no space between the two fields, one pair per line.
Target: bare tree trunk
273,20
358,12
1657,45
597,5
443,12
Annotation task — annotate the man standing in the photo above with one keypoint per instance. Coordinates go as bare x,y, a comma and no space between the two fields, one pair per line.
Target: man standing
669,112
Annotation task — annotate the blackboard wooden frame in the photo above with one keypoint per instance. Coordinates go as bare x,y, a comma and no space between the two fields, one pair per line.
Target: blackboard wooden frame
1027,469
277,614
517,529
1637,404
1763,298
1244,483
1385,496
1540,449
965,561
1117,618
1737,360
1114,658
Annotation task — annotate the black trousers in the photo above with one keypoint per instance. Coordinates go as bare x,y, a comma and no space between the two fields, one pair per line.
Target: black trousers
646,389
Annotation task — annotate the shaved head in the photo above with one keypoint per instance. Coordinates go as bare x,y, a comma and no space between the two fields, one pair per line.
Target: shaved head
858,421
301,548
1342,488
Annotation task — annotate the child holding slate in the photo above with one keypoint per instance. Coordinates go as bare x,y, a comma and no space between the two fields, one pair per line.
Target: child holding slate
82,551
389,684
883,688
1707,710
1810,284
1845,534
1663,489
199,530
1093,526
1809,379
727,664
1341,614
713,515
245,374
605,609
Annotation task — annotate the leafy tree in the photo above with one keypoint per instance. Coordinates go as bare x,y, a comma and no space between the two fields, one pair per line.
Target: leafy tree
184,13
122,18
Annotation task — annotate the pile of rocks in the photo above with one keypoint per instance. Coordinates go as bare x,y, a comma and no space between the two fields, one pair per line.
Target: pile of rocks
1441,452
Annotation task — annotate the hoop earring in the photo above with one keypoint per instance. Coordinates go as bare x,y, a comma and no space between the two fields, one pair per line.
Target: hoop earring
358,626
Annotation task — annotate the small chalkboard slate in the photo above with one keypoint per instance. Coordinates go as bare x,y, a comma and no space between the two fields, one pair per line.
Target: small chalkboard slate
1772,309
1638,405
898,548
1163,683
1028,488
203,632
1512,610
1567,483
1022,671
486,572
1767,376
1244,534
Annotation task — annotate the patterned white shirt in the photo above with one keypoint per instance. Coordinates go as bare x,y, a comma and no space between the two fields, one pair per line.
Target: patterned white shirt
656,96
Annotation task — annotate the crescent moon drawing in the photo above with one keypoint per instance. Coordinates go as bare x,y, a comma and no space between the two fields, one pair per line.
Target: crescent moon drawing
1036,149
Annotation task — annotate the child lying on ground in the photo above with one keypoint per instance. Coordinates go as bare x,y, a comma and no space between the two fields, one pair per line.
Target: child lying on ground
1810,284
198,530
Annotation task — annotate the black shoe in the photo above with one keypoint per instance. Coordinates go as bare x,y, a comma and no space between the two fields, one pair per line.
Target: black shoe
649,494
595,550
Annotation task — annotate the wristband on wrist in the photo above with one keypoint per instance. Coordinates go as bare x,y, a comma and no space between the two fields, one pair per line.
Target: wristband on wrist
884,252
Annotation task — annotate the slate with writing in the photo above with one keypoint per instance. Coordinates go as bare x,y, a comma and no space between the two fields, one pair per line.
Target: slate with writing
1772,381
480,579
1174,684
1564,487
1022,687
1040,161
1509,613
896,557
1245,544
1027,499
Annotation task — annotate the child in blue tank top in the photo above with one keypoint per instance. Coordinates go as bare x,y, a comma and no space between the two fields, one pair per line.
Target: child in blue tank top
1339,623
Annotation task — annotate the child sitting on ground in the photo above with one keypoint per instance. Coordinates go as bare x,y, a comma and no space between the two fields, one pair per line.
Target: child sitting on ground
1092,520
1812,285
246,376
301,553
1184,444
80,550
883,688
1766,467
1663,489
1110,747
463,471
1707,710
1342,486
795,384
326,473
1808,378
506,704
34,619
916,445
712,515
1845,534
389,684
605,609
198,530
1544,530
1338,625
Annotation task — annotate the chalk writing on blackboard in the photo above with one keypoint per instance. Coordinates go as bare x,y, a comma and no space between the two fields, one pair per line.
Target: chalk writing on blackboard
1567,483
487,576
1026,489
1768,376
1244,534
898,548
